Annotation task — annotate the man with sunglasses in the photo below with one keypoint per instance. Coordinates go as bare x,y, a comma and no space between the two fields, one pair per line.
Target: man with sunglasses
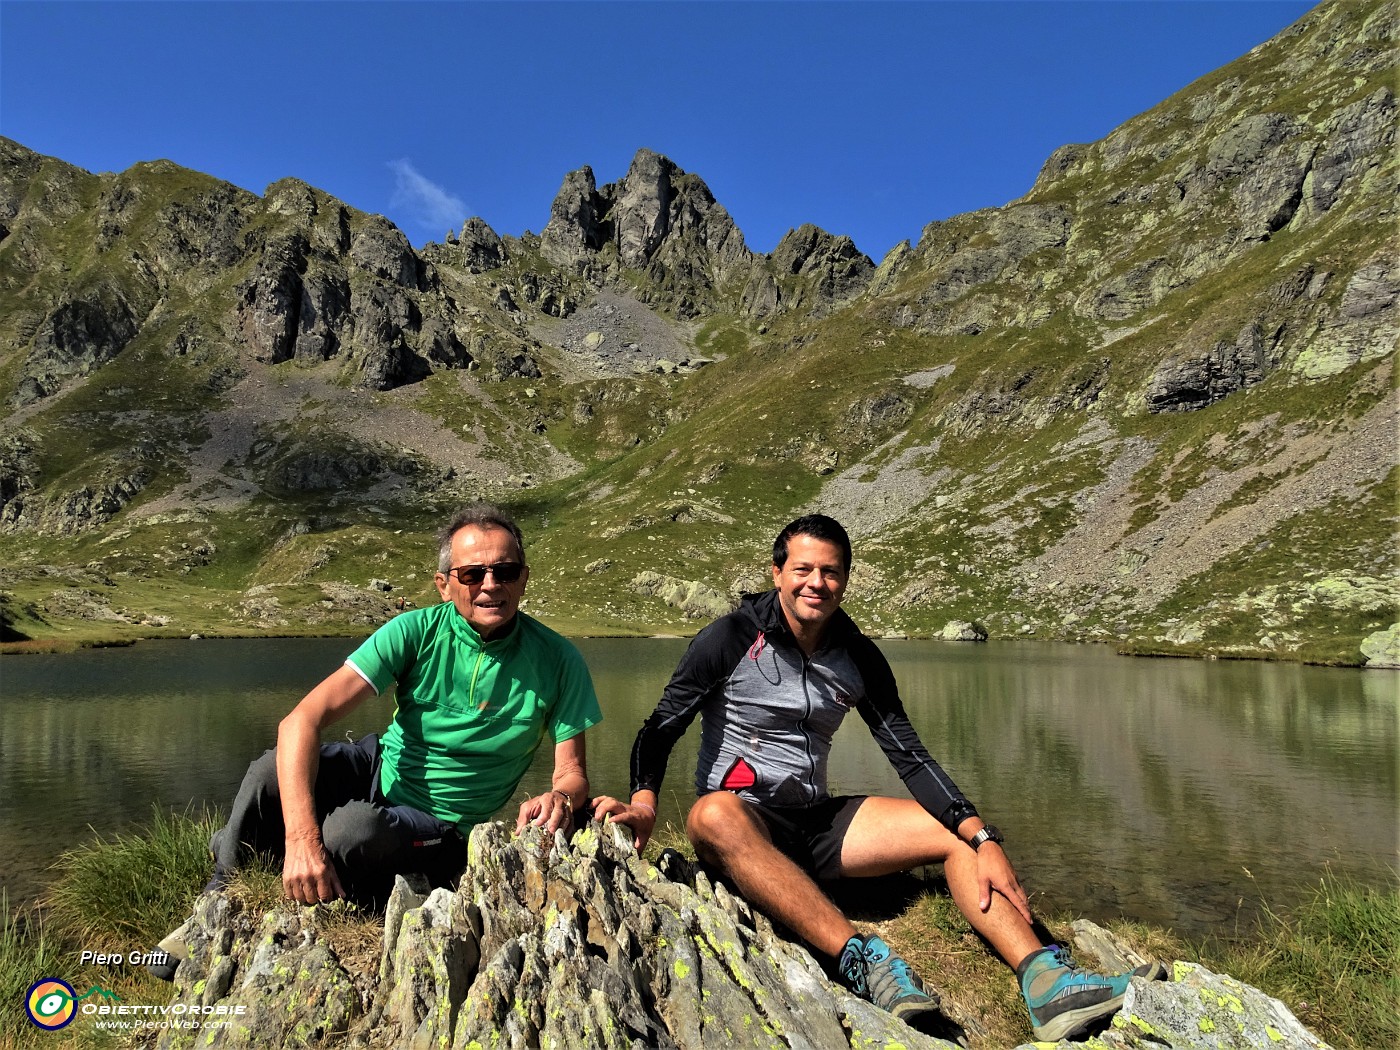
480,685
772,681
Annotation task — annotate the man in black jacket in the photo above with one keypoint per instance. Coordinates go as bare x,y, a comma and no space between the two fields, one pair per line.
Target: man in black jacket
772,682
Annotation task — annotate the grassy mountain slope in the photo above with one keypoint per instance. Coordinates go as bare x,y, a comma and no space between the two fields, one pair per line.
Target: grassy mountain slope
1152,402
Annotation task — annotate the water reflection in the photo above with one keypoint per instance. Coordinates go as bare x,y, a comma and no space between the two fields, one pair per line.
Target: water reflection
1146,788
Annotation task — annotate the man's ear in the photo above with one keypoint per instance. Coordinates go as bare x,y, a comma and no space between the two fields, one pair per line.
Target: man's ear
440,581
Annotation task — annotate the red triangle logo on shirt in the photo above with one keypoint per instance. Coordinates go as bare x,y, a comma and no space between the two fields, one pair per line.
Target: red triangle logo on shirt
740,775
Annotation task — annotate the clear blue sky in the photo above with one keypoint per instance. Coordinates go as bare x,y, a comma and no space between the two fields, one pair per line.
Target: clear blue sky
866,118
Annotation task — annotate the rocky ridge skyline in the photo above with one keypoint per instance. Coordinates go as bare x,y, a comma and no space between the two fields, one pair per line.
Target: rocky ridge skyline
1151,402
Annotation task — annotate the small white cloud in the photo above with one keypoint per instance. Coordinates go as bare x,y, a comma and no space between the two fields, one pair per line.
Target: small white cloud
426,202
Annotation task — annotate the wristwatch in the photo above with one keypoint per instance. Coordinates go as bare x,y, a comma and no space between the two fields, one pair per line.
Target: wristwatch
988,834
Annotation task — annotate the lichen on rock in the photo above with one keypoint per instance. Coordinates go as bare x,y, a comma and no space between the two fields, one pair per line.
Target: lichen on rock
584,944
544,943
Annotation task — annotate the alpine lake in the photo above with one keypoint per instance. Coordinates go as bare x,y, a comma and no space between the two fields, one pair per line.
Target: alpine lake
1186,793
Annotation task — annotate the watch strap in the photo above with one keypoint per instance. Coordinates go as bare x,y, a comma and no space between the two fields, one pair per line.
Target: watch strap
987,833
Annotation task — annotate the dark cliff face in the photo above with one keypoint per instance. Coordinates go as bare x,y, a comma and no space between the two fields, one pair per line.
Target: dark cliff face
1192,318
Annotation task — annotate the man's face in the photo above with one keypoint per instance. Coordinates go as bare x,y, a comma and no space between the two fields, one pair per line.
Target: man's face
489,606
810,583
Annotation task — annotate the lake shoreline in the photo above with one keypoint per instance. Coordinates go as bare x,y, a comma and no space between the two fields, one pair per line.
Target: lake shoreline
51,645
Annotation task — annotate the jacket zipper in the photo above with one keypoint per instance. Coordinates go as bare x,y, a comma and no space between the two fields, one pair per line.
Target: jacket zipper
807,736
476,669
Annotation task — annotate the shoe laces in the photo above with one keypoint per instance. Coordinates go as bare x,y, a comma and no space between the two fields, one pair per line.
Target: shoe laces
854,967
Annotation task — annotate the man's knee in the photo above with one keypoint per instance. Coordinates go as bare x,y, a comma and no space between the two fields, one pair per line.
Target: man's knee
719,819
261,777
358,832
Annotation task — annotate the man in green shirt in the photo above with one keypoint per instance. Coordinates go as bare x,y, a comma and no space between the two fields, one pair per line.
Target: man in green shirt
479,687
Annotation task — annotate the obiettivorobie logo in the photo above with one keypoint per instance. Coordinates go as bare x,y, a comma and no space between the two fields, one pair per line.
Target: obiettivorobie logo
52,1003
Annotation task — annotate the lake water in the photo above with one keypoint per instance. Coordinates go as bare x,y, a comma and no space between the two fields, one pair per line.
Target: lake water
1178,792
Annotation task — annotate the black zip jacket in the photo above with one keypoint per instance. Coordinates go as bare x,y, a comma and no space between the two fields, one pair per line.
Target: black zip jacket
769,712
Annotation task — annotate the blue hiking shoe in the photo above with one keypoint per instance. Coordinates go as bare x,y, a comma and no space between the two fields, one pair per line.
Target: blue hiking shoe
1064,1000
873,972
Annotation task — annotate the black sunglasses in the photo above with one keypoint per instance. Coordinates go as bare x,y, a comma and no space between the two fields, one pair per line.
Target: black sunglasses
501,572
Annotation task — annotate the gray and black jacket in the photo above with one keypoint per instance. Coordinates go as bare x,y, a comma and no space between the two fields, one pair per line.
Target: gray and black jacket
769,712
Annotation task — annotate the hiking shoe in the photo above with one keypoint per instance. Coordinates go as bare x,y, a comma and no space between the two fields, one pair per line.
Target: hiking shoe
169,953
1064,1000
873,972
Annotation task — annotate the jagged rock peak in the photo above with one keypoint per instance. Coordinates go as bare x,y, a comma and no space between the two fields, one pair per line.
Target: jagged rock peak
655,204
842,270
481,247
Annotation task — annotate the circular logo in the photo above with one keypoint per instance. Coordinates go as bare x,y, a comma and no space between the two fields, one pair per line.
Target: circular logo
51,1003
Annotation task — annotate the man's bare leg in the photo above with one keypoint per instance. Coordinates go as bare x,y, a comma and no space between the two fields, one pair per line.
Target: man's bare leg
889,835
727,833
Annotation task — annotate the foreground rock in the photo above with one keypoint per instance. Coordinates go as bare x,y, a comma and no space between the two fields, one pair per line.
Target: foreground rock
582,945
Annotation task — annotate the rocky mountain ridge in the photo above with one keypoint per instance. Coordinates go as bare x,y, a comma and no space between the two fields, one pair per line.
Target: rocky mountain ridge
1150,402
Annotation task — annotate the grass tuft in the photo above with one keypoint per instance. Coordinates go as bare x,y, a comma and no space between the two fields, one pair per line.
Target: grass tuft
133,889
27,952
1335,961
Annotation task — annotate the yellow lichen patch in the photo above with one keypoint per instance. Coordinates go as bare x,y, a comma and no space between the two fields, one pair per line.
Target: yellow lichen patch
1231,1003
1121,1020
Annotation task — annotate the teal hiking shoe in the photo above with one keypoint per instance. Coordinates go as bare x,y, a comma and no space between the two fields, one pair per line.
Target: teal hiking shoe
873,972
1064,1000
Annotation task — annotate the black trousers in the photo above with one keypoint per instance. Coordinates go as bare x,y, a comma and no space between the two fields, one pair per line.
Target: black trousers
369,840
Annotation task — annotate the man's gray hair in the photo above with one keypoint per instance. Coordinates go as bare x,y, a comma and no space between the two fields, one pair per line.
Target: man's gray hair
482,515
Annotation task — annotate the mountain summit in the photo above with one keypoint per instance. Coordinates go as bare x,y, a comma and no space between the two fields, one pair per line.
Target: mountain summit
1151,402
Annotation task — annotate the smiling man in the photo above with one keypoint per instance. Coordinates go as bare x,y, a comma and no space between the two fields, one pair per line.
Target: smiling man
480,686
772,682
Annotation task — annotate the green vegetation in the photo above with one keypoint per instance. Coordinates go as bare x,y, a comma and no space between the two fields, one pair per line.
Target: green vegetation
28,951
121,894
982,416
1336,959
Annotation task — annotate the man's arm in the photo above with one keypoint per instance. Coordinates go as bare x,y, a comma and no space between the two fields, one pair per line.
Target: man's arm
569,789
705,666
927,782
994,871
890,726
308,875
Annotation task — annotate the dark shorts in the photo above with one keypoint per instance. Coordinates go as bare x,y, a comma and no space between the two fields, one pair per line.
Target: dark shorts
811,836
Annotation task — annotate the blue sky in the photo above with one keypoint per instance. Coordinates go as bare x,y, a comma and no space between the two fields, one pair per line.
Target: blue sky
867,118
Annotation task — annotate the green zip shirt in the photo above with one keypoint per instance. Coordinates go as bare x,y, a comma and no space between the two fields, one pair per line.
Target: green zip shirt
471,715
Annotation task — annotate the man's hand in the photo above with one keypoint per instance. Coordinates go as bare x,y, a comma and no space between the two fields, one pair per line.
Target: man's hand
638,815
994,872
552,810
308,875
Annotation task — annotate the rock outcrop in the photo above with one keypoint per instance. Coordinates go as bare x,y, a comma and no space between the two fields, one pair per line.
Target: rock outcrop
963,631
696,600
1382,648
583,944
544,943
